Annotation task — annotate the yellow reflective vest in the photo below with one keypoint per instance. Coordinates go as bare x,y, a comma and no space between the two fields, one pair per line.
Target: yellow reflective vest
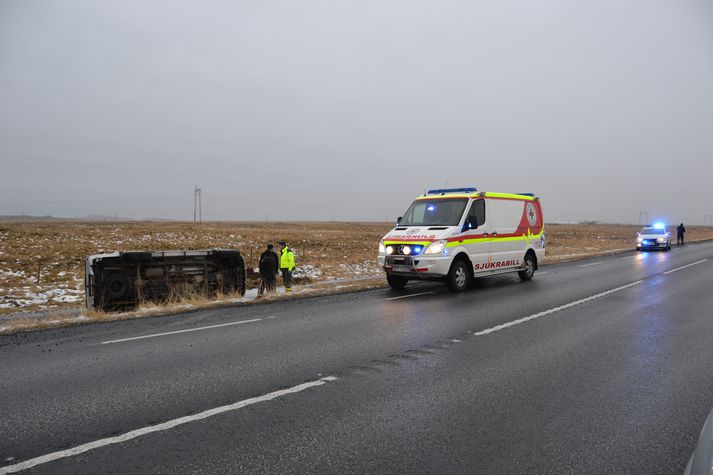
287,259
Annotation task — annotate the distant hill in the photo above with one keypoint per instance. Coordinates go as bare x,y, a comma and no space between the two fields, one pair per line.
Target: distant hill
91,217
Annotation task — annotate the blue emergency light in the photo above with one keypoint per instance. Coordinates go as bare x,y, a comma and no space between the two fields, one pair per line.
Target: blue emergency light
659,226
451,190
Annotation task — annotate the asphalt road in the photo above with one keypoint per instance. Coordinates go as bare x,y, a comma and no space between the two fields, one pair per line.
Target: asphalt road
603,365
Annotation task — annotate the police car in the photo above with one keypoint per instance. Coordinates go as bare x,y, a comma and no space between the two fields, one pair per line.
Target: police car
454,235
653,237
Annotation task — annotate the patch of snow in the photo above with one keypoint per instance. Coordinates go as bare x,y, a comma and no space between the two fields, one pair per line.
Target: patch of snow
41,298
9,273
306,270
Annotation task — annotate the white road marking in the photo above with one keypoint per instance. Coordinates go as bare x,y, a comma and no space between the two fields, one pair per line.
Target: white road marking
543,272
592,264
455,340
410,295
154,335
555,309
159,427
683,267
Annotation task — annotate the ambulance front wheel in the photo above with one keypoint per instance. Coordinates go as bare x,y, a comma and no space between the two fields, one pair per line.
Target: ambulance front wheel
396,281
529,271
458,278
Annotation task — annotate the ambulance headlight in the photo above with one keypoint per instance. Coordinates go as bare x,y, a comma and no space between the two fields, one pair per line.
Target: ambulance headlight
382,249
436,247
406,250
389,249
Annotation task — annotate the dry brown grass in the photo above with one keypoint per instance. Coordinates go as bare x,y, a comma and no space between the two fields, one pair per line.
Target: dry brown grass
335,250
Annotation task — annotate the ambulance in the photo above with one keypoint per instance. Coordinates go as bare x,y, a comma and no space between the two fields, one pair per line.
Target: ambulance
455,235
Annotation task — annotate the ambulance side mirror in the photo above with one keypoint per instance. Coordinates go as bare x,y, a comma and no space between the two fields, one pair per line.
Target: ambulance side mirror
470,223
398,220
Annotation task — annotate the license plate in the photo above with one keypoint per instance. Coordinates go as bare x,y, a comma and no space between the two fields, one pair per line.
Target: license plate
401,269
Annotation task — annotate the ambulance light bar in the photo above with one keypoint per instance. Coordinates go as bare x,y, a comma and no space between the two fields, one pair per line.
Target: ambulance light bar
451,190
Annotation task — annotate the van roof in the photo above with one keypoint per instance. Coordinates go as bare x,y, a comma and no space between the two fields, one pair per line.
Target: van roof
481,194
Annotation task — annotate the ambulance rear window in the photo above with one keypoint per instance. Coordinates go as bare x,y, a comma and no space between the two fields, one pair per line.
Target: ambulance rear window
443,212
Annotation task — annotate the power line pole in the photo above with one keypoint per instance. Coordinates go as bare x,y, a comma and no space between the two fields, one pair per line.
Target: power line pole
197,205
645,214
706,218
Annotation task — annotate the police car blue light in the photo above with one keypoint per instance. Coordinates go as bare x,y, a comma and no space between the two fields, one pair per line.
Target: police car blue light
659,226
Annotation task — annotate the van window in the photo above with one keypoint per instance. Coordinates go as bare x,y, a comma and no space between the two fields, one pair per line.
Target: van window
477,212
505,215
443,212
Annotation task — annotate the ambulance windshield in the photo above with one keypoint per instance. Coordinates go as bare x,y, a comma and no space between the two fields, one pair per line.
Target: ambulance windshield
442,212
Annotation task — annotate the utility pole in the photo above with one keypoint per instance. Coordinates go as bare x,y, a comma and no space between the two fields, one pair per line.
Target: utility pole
197,205
645,215
708,217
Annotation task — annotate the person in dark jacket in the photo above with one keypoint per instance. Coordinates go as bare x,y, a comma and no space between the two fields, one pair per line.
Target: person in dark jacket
680,231
268,267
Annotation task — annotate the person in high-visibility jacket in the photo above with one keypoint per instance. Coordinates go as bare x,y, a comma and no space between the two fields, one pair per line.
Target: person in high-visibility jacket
287,265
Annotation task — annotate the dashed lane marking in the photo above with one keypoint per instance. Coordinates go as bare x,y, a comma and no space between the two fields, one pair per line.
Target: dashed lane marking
683,267
555,309
155,335
410,295
160,427
591,264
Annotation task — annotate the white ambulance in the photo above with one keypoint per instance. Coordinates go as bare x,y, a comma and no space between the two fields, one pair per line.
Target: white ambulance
454,235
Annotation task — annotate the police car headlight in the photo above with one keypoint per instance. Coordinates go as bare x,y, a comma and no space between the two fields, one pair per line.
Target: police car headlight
639,239
382,249
389,249
436,247
661,240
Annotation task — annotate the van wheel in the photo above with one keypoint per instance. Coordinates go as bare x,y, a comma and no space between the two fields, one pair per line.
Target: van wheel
458,278
116,285
529,271
396,281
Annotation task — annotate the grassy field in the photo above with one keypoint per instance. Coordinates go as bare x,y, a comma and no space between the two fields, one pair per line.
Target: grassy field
41,263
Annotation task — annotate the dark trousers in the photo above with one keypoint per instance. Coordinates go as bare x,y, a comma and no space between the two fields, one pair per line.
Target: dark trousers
680,239
287,278
267,283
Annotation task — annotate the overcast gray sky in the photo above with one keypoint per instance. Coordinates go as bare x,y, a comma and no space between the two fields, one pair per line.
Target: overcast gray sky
308,109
